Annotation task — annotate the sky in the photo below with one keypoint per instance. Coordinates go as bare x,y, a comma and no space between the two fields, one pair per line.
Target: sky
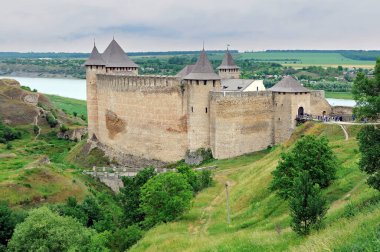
172,25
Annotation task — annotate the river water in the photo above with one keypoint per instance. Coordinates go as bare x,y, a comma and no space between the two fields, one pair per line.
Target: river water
74,88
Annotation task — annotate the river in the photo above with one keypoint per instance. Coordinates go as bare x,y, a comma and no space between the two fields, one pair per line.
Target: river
75,88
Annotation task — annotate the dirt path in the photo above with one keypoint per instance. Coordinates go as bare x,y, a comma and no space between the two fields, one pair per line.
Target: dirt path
36,124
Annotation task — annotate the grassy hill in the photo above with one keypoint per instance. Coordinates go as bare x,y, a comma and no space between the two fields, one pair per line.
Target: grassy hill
260,220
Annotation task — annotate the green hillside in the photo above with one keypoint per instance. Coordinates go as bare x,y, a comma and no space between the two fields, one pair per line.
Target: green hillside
260,220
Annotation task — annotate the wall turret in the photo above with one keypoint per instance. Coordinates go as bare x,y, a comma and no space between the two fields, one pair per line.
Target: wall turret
95,64
200,81
228,69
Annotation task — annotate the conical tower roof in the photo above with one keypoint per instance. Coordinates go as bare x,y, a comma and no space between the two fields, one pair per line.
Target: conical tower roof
228,62
202,70
114,56
288,85
95,58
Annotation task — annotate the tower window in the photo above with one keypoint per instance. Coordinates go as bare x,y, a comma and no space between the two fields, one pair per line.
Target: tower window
206,110
205,82
197,82
213,83
192,109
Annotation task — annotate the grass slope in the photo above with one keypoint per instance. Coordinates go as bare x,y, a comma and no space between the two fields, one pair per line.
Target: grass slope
260,220
69,105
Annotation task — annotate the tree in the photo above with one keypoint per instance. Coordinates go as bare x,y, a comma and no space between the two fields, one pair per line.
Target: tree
7,224
191,177
44,230
307,207
369,146
310,154
165,197
130,195
367,94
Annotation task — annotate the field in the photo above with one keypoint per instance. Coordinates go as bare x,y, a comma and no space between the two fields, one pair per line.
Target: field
339,95
260,220
302,59
69,105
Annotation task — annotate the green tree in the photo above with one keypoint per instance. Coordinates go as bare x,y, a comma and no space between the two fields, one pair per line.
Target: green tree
130,195
44,230
310,154
369,146
165,197
191,176
7,225
307,207
367,94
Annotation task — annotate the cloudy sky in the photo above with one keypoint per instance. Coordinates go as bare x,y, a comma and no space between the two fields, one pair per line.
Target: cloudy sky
166,25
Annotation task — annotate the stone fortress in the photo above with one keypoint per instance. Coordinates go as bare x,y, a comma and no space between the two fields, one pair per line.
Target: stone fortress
161,119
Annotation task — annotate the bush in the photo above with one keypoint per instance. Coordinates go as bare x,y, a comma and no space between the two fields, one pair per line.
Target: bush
51,120
165,197
8,133
63,128
124,238
75,114
9,146
36,129
205,179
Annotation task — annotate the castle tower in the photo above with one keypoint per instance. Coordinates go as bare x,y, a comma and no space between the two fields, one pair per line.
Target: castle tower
290,100
228,69
117,61
199,82
94,65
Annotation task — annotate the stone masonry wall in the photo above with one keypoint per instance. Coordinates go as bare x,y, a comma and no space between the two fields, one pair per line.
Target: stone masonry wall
319,104
241,122
144,116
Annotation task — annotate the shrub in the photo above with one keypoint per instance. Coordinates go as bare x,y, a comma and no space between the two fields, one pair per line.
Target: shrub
165,197
36,129
9,146
124,238
63,128
75,114
51,120
205,179
7,224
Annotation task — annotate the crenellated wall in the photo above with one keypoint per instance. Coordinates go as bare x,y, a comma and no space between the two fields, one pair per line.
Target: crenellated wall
241,122
143,116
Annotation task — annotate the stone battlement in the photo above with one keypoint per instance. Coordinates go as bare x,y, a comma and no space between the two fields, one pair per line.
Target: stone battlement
122,83
240,94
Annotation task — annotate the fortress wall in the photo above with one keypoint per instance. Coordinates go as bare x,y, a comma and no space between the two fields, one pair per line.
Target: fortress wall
319,104
241,122
286,107
144,116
